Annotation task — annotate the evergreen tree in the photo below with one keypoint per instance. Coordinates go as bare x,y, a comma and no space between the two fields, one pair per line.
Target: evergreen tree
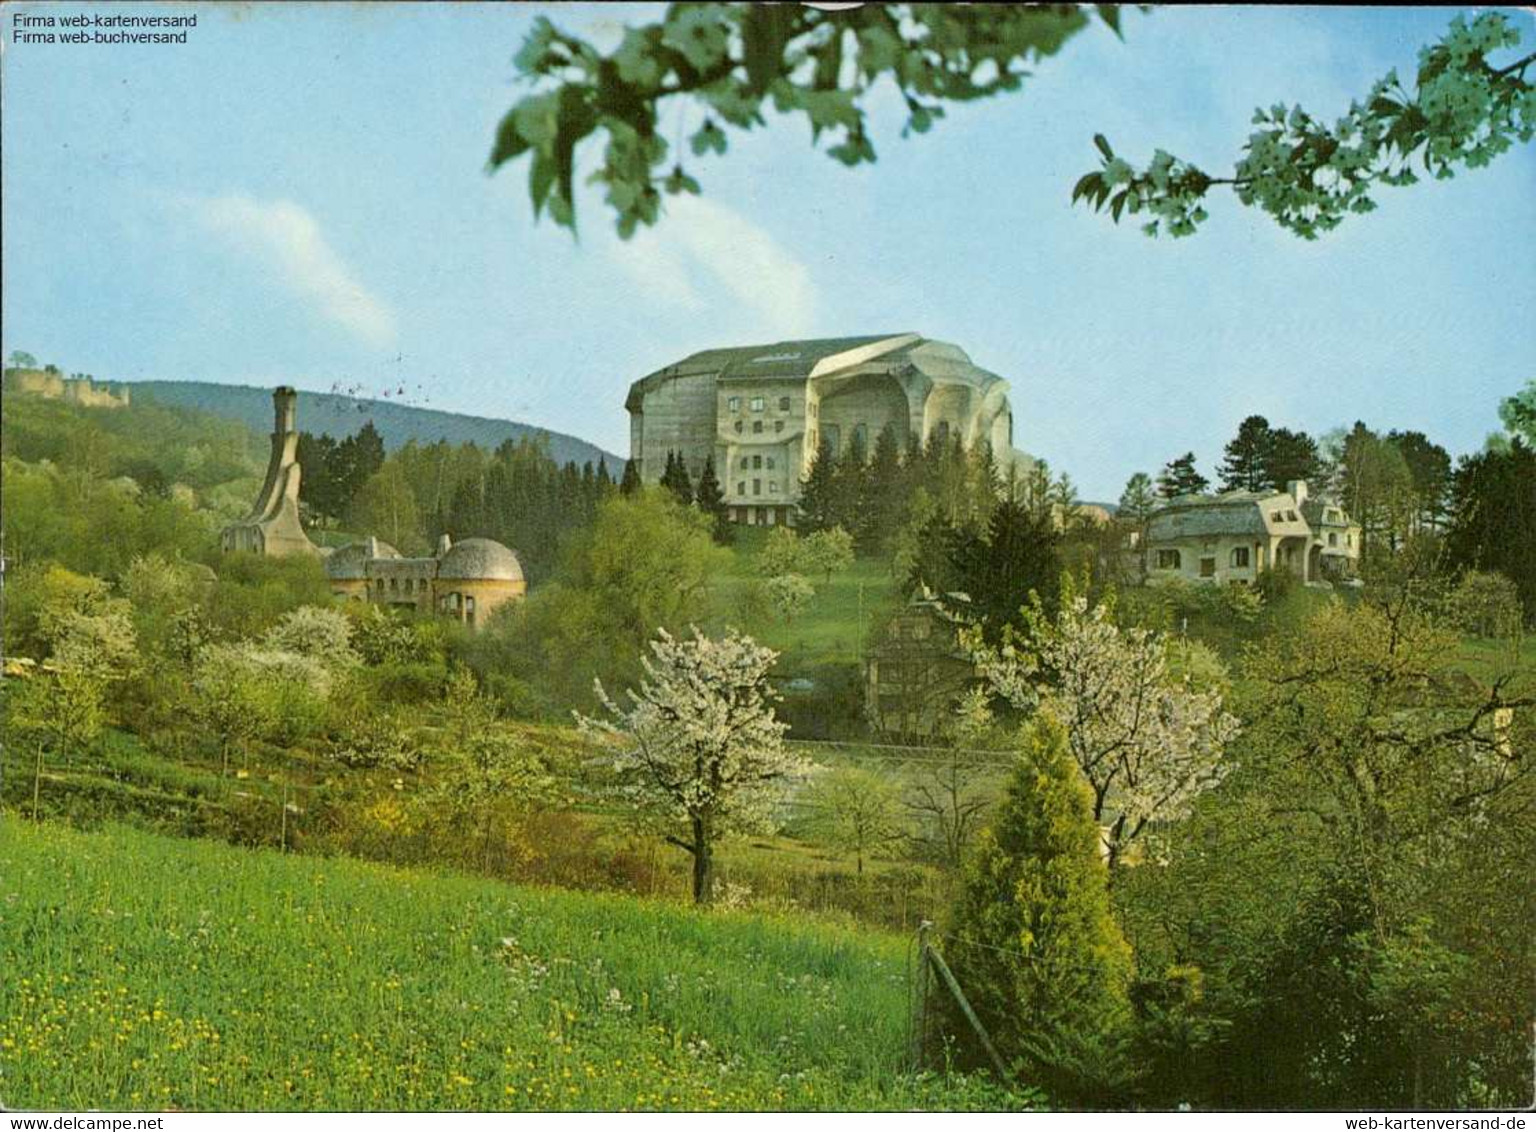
1494,517
711,500
889,497
1243,466
851,491
1138,500
675,478
1429,468
1179,477
1291,456
998,568
630,482
604,479
1032,938
818,500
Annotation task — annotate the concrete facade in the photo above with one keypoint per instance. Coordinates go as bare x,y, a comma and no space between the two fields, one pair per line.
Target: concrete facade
272,527
1230,538
761,412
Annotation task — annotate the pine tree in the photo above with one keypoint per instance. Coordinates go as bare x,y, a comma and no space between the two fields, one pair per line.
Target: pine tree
818,500
888,499
711,500
1033,941
1291,456
1242,468
630,482
1179,477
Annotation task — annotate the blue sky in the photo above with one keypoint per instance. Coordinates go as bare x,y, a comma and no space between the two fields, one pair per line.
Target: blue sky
298,195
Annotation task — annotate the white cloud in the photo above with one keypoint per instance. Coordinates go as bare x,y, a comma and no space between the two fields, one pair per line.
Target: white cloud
286,239
701,248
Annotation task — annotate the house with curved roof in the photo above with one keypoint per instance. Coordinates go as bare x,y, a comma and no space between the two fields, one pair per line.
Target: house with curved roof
1231,537
762,412
466,581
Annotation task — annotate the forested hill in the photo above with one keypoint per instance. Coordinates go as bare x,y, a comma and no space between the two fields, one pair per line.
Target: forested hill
341,415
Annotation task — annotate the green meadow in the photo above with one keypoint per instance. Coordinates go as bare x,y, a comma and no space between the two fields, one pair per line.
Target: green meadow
144,972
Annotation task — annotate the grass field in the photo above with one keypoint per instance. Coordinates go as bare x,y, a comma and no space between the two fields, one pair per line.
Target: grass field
833,627
148,973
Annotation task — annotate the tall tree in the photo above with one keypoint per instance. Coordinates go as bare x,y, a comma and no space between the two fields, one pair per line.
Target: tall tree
1243,465
1179,477
818,499
1291,456
1429,470
711,500
1493,516
630,483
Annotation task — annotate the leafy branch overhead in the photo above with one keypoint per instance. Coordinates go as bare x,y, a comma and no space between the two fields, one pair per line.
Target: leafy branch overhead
1463,110
731,61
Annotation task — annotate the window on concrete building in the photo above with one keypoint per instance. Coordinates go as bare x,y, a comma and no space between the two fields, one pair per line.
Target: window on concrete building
757,426
1290,516
834,435
743,463
1240,557
757,461
783,404
757,487
741,487
773,487
1168,560
770,463
757,404
778,426
738,426
1333,539
734,404
1207,567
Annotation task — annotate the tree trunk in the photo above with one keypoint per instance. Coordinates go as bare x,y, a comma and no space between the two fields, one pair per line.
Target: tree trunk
703,863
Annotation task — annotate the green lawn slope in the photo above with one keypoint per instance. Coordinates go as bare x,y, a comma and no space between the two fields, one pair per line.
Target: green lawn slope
144,972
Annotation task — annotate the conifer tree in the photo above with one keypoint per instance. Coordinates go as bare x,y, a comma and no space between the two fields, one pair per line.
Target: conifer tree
1246,454
629,483
1032,939
818,501
1179,477
711,500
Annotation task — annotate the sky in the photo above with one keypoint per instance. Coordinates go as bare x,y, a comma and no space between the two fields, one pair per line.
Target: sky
299,195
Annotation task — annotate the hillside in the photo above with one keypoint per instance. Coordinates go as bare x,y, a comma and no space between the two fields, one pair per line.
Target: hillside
152,973
341,415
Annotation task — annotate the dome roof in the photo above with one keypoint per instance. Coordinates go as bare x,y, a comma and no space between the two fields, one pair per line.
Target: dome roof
480,559
350,563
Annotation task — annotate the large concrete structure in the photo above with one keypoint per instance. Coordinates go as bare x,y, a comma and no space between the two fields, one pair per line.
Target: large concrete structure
466,581
1231,537
273,527
762,412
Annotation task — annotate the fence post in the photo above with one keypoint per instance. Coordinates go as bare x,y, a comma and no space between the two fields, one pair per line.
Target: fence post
918,1037
970,1015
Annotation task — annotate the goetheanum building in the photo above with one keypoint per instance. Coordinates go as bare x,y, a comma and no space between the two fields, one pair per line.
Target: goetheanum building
762,412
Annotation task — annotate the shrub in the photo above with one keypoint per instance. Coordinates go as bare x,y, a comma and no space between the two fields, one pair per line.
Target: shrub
1032,939
1486,604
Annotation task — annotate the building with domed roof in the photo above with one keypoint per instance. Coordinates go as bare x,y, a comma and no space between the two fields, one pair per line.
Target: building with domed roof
467,580
762,412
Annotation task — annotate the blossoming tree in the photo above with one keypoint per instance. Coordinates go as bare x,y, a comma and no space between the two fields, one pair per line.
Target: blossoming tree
699,752
1148,743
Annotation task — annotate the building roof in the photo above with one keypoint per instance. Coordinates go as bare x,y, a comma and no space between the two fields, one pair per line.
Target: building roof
350,562
801,359
480,559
